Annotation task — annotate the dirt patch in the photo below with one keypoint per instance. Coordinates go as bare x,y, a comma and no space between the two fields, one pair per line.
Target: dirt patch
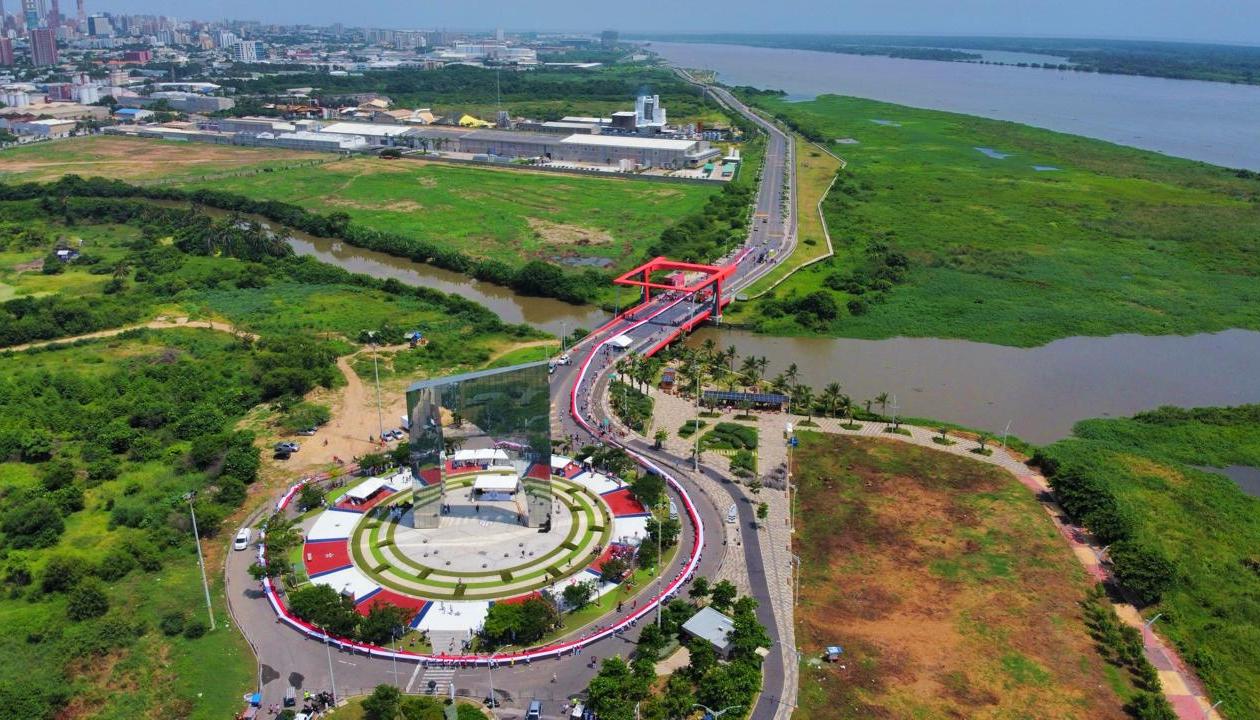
560,234
946,592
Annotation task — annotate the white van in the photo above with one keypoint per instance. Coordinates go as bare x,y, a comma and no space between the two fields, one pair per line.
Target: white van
242,539
732,515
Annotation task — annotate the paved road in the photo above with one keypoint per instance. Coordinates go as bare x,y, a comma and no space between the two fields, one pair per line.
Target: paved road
289,659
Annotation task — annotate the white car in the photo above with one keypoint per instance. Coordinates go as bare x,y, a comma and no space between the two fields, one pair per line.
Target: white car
242,539
564,359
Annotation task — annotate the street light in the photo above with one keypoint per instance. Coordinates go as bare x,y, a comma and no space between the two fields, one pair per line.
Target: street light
1151,622
332,678
491,698
380,420
715,715
201,561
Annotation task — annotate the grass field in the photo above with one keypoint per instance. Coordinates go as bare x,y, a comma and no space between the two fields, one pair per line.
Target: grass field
510,215
947,586
140,160
1111,240
1202,522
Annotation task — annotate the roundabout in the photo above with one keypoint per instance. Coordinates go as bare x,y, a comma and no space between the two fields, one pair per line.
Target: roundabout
448,575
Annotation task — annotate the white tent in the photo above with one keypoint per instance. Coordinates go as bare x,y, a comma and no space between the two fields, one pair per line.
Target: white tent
367,488
559,462
621,342
495,483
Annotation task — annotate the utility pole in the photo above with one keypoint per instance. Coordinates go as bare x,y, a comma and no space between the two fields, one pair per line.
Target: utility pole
695,455
380,419
201,561
660,564
493,699
331,677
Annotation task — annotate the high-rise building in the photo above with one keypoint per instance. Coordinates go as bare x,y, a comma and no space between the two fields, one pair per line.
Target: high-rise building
245,51
99,26
82,14
30,10
43,46
54,17
6,52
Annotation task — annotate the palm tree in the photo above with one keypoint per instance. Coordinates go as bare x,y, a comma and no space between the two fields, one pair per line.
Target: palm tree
660,438
792,374
942,430
762,364
780,383
751,371
709,348
882,399
731,354
846,407
803,399
831,397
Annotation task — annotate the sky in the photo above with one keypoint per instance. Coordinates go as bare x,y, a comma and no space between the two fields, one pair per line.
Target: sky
1196,20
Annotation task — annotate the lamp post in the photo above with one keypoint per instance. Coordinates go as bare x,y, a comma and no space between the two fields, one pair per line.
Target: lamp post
719,713
380,420
695,454
491,698
660,562
201,561
393,635
1151,622
332,678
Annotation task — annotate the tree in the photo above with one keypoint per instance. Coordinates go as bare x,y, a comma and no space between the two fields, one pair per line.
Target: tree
578,595
668,529
613,569
35,523
703,658
648,489
383,703
87,600
751,371
882,400
699,588
659,438
614,691
763,511
943,431
1141,570
831,397
803,399
324,607
1151,706
383,624
982,439
311,496
722,595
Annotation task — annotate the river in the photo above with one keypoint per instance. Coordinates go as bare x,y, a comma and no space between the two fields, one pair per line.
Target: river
1040,391
1208,121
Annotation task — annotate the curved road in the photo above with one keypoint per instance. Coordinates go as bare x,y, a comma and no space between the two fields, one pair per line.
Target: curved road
287,658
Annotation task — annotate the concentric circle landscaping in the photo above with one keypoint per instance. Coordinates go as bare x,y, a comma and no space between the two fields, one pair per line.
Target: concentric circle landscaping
447,564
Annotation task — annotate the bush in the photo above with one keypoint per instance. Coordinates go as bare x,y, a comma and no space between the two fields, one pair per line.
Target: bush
87,600
35,523
1151,706
730,436
195,628
172,624
1142,570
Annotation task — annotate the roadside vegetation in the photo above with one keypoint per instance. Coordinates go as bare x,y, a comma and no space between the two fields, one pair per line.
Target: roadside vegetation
946,585
101,439
1031,242
1182,540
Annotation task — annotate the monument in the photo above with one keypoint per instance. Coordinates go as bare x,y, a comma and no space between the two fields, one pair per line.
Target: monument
493,426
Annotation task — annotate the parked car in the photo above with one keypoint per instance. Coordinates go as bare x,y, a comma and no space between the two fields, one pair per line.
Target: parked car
564,359
287,447
308,431
535,710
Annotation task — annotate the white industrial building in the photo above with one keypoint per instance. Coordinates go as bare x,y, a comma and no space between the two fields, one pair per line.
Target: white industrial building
645,152
324,142
378,134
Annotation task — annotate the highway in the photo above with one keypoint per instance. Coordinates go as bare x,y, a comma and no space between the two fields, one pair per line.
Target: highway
287,658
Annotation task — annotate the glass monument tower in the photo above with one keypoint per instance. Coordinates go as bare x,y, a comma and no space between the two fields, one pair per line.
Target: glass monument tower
493,426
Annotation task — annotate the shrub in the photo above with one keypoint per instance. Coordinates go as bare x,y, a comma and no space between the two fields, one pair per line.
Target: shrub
1142,570
172,623
87,600
195,628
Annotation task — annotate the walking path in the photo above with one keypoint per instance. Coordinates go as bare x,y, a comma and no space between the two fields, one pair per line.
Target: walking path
1183,690
161,323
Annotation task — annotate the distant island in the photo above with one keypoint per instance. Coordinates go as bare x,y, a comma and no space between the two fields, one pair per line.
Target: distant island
1182,61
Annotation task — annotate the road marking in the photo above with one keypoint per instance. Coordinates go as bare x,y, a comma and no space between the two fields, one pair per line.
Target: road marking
414,674
346,662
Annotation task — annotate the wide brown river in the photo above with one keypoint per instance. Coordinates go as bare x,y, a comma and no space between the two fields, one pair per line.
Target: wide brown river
1039,391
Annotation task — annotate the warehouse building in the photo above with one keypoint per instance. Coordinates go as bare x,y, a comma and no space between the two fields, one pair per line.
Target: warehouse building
375,134
646,152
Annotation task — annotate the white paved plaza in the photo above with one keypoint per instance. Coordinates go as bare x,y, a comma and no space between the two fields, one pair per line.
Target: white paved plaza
480,535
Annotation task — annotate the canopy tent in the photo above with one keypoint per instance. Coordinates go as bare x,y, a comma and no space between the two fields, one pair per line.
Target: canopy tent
367,488
495,483
480,456
621,342
559,462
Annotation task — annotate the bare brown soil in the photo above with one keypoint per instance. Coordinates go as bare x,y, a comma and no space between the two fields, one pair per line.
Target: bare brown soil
946,585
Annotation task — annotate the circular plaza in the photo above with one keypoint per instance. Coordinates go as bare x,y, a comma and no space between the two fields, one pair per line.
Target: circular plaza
446,574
